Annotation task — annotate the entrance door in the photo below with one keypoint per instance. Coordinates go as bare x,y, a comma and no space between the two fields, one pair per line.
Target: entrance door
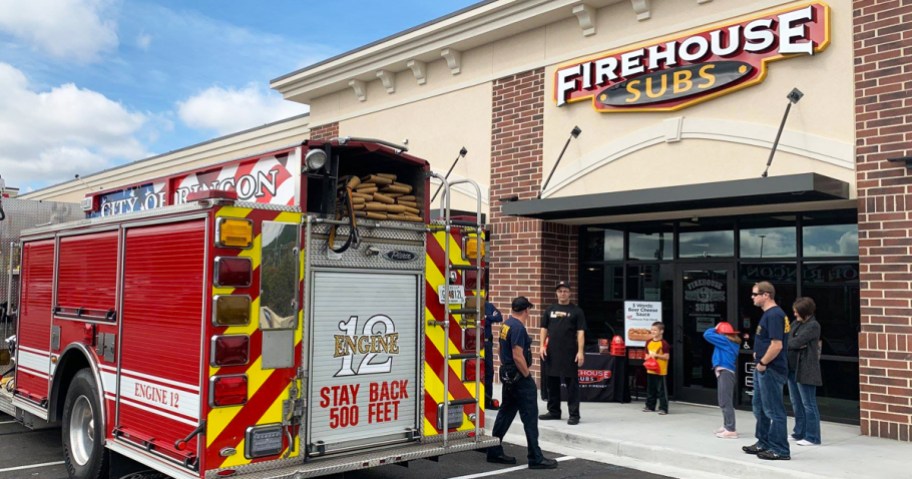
704,296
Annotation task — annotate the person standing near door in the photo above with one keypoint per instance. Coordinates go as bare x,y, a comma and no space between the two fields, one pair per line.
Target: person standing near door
770,375
804,372
564,334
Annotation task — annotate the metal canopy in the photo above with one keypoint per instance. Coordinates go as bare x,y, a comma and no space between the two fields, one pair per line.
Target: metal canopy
800,188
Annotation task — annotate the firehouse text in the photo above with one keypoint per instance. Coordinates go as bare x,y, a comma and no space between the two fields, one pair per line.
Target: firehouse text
383,402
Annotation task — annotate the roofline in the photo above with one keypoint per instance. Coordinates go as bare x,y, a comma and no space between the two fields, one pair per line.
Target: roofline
169,153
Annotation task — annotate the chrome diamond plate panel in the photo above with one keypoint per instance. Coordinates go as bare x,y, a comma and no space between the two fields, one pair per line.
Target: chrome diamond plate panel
361,460
400,247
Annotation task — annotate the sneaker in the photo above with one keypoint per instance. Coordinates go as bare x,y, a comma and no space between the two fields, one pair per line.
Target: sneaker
646,409
573,421
548,417
721,429
544,464
805,442
772,456
792,438
662,412
755,448
727,435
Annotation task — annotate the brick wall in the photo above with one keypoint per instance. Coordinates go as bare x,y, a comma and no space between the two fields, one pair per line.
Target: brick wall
883,124
528,256
325,132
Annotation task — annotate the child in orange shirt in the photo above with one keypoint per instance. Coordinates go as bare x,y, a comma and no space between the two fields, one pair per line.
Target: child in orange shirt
659,349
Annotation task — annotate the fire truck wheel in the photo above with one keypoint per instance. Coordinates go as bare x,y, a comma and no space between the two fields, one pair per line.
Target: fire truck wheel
83,437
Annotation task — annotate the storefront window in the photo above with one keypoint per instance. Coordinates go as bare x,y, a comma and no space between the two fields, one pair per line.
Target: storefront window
604,245
652,245
830,240
601,295
769,242
707,244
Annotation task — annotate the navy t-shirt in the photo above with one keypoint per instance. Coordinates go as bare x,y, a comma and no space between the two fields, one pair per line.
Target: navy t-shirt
774,325
513,333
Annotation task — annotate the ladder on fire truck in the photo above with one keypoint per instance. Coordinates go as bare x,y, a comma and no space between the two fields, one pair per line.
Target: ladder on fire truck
472,231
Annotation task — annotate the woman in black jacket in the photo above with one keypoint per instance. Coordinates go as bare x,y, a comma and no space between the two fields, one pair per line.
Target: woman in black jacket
804,372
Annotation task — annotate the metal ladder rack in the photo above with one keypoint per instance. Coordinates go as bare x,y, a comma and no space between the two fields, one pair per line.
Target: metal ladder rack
448,224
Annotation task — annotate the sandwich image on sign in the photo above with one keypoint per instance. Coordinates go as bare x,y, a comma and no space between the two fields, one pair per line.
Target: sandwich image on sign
639,334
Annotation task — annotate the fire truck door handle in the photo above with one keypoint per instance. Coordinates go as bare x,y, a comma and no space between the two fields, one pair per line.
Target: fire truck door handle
180,443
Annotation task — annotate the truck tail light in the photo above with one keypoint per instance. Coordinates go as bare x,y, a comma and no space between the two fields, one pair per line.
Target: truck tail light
474,248
228,390
234,272
234,233
230,350
469,344
231,310
468,370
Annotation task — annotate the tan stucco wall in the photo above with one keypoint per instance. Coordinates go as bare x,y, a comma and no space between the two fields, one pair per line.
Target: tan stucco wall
725,138
436,129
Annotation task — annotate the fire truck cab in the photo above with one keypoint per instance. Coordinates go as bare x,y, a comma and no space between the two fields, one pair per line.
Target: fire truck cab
287,315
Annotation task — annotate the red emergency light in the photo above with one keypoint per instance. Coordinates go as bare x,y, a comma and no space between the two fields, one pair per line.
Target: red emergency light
228,390
230,350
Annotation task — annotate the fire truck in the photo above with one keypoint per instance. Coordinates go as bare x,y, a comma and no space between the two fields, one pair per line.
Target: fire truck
286,315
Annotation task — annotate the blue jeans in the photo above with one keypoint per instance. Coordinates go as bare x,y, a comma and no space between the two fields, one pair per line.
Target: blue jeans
519,397
804,403
769,410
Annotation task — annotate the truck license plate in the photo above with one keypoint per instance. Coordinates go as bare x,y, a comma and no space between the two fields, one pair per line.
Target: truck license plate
457,294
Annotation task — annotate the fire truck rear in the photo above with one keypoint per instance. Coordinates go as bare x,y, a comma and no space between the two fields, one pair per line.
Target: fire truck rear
322,327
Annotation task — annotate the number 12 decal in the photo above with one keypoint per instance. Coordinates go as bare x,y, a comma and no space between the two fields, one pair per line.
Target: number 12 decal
378,336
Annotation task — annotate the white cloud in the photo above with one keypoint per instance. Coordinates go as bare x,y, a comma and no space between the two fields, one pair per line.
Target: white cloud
69,29
50,136
228,110
144,41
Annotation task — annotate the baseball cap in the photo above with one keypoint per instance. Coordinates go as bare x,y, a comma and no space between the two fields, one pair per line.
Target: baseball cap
562,284
520,303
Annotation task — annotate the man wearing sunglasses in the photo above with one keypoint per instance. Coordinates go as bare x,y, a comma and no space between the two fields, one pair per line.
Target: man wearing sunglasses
770,376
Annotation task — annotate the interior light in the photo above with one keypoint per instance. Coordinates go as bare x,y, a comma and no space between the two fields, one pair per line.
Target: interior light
231,310
228,390
234,232
315,160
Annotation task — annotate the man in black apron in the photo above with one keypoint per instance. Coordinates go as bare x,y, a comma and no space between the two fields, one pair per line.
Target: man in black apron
564,332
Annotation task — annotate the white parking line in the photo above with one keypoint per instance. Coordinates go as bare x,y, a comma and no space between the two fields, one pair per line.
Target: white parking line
504,471
7,422
33,466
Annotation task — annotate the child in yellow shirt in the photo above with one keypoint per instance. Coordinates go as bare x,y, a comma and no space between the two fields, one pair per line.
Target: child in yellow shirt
659,349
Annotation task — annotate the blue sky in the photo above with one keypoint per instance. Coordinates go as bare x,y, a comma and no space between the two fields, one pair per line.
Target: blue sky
90,84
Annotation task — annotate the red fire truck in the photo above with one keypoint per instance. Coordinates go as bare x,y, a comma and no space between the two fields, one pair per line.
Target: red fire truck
263,318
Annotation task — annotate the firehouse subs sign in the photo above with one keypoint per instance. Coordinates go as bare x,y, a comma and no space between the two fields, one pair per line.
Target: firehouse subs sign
688,69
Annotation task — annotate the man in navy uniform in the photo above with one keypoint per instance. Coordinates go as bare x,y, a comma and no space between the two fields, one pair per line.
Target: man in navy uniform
492,315
519,389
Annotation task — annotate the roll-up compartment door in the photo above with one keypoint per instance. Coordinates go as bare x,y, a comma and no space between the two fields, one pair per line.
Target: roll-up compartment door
364,366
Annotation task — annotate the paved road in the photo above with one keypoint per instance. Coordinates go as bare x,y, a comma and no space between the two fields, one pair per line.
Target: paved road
37,455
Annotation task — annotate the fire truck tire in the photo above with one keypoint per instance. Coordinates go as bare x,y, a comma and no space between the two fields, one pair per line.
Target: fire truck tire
83,437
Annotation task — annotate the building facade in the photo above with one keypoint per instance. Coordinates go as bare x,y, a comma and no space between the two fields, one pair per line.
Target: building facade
670,192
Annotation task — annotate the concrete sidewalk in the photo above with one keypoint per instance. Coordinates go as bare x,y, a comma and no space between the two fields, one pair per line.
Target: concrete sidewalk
682,444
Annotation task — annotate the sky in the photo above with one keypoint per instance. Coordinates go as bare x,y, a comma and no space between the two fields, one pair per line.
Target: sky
87,85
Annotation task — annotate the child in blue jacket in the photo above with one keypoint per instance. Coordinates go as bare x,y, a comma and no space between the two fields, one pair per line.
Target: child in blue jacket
724,361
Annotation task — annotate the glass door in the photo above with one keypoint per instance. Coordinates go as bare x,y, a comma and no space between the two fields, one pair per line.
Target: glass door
704,297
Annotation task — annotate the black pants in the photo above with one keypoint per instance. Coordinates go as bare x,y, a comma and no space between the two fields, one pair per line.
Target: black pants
554,395
655,389
489,372
519,397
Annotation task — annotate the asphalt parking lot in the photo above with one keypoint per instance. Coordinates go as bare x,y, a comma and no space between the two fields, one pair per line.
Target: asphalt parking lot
37,454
